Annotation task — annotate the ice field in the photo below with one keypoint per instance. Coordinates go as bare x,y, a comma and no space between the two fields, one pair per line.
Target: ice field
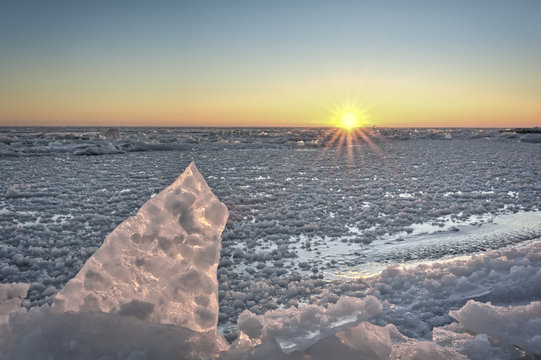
407,244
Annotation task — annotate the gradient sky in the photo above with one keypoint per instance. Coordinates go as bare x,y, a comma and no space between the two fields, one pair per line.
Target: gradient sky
270,63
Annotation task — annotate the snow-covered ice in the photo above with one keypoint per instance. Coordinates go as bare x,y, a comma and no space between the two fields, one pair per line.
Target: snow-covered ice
101,315
293,230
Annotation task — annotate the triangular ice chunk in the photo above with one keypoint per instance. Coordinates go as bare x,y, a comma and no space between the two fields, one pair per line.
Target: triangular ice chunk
159,265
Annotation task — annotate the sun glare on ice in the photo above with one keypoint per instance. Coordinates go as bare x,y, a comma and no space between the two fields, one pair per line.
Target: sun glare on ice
350,122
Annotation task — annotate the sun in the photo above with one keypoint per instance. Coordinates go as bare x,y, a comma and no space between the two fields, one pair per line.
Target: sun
349,121
349,116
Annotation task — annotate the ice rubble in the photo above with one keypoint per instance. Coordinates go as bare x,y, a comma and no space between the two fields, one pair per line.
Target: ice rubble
150,292
98,141
297,329
363,341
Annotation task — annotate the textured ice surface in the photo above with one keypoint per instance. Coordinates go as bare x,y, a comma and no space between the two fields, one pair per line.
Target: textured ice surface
39,141
332,326
275,196
159,265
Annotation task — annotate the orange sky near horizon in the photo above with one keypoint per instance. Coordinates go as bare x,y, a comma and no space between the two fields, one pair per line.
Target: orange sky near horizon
302,108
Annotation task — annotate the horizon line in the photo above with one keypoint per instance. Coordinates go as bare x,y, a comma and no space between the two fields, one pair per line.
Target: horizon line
266,127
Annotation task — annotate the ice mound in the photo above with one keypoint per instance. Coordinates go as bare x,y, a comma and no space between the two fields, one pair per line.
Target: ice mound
159,265
297,329
11,297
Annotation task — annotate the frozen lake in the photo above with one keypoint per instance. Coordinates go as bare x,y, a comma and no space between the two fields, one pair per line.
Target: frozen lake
301,212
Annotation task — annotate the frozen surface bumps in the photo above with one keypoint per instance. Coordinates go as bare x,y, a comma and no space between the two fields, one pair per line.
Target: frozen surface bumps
159,265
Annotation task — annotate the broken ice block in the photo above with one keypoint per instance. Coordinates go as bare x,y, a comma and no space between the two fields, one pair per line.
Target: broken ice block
159,265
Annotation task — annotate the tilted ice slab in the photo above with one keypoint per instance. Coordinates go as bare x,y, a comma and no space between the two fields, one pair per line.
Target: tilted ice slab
159,265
